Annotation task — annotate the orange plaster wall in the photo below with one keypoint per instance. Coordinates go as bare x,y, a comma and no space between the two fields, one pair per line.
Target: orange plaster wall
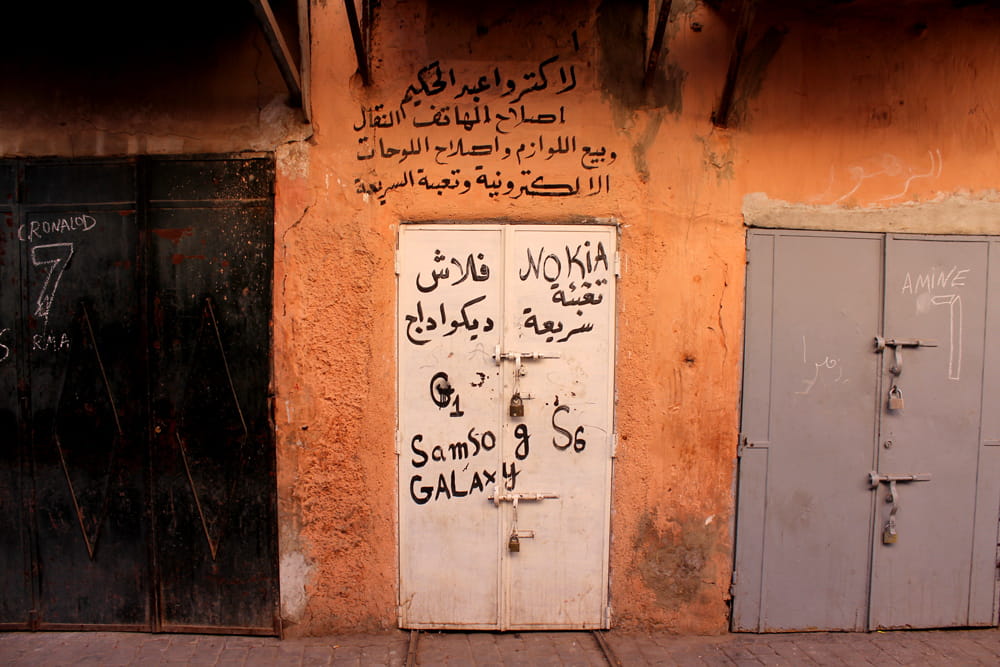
847,112
679,313
818,120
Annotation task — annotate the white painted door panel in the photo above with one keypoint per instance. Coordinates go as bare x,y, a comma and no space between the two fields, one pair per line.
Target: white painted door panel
562,276
448,327
471,299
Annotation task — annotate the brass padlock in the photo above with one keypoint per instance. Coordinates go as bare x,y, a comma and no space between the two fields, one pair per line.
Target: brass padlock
516,406
513,544
889,535
895,398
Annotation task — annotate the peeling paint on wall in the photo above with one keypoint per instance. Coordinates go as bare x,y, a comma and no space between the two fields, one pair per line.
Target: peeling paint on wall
295,573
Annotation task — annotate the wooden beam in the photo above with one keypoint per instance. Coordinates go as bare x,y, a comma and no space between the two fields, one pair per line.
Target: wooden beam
279,48
359,45
721,116
305,57
654,51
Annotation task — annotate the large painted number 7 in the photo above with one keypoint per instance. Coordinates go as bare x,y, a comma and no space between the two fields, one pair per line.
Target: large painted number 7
56,256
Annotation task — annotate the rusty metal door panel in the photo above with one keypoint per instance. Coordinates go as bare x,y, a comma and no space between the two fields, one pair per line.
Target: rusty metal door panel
87,414
15,591
117,300
477,303
936,290
213,452
811,309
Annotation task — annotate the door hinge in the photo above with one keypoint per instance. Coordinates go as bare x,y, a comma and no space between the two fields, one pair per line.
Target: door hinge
746,443
396,262
607,616
618,264
614,444
397,443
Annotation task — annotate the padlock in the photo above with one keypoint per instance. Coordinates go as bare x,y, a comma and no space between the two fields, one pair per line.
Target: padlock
516,406
895,398
514,543
889,535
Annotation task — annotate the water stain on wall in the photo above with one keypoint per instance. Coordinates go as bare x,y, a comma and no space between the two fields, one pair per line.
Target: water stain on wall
622,27
676,562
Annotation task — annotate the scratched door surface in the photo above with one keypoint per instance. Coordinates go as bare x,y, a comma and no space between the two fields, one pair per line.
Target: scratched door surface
85,389
210,250
477,304
136,455
817,427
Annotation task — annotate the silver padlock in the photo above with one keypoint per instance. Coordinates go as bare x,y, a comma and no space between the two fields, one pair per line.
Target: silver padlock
516,406
895,398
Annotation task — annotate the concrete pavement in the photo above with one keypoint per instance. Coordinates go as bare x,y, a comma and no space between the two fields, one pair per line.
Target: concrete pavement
942,647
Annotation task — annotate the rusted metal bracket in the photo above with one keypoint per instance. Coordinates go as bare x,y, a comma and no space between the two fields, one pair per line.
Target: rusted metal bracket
359,45
747,11
657,46
279,49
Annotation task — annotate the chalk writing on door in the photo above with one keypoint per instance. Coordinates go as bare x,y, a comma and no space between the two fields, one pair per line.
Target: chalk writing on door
923,285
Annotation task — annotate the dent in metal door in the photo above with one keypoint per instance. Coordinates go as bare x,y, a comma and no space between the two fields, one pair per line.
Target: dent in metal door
487,313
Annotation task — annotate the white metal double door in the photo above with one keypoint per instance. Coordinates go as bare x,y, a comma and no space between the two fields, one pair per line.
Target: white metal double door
503,520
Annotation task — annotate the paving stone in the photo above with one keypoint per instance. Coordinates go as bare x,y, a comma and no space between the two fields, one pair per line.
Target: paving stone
487,649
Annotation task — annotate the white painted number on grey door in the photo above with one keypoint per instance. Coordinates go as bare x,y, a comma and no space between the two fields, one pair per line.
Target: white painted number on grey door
869,470
505,386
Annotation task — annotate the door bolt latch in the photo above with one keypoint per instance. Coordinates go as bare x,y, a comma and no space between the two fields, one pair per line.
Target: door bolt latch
897,344
889,535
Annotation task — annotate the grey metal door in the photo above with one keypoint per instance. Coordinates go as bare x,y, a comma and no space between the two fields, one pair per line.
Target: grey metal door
822,452
935,309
